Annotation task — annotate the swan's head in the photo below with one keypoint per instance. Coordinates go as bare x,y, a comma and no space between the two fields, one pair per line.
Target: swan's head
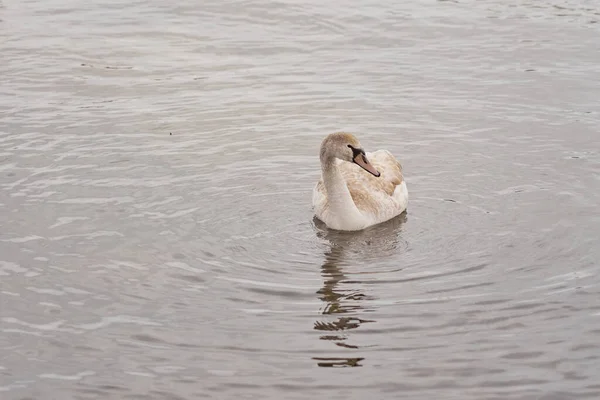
346,147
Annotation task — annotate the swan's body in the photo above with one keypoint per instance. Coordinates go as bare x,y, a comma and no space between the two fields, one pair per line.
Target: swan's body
350,196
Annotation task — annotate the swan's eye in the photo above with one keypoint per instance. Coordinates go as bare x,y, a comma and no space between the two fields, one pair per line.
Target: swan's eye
355,151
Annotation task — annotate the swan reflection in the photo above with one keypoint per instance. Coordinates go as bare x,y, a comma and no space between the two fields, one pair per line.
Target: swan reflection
345,302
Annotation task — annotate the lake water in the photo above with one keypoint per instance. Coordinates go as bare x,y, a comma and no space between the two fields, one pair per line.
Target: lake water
157,162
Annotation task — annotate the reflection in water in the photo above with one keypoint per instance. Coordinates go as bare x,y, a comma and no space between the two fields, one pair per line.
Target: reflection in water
346,248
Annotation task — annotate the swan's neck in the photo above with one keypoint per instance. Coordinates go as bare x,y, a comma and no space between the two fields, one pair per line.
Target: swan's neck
340,201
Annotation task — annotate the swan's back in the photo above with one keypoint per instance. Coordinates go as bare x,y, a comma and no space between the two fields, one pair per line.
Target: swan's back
358,181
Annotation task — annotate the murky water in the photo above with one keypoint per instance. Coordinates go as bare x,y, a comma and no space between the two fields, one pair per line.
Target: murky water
156,167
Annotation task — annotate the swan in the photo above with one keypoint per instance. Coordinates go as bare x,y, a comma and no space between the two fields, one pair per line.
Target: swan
357,189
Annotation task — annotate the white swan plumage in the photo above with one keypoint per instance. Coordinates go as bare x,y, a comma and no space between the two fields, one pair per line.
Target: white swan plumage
357,189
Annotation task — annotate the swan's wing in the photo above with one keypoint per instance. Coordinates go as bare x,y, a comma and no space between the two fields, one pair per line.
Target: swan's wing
389,167
374,194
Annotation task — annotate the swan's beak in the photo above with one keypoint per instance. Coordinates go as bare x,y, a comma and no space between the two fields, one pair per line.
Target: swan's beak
362,161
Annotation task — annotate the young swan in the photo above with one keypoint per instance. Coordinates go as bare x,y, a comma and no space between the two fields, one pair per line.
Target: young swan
357,189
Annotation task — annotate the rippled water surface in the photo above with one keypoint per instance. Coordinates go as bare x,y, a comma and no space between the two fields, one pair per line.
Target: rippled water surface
156,167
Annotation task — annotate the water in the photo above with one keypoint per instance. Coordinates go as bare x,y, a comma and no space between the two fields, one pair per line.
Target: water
156,167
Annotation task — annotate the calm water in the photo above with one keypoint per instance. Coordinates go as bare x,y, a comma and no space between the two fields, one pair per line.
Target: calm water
156,167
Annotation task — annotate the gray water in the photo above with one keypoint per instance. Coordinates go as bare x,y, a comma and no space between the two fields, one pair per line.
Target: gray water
156,167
